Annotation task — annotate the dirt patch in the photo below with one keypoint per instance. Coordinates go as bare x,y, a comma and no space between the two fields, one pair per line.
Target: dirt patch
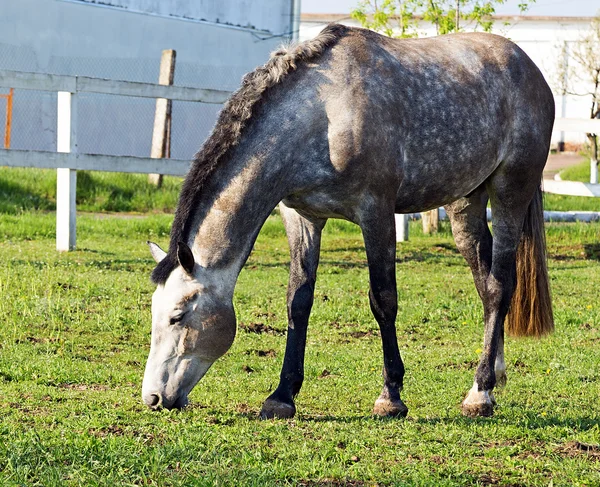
262,353
112,430
469,365
333,483
576,449
361,334
84,387
260,328
324,374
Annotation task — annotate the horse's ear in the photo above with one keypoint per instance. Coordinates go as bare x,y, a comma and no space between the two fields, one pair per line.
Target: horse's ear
185,257
158,254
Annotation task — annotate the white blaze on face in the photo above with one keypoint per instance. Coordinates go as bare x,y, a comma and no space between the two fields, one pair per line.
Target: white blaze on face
190,330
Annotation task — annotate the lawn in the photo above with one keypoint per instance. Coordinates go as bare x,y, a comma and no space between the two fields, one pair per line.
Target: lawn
25,189
75,336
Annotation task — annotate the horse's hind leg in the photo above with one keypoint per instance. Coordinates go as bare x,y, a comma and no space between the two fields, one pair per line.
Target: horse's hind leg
304,237
474,241
380,243
511,192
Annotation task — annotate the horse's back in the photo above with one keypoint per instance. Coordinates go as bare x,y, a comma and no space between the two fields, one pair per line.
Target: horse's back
428,120
457,104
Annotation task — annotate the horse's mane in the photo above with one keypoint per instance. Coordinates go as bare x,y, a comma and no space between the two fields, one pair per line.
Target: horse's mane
228,130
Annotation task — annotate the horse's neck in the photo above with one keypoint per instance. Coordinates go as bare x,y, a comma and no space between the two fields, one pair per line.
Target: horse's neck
240,196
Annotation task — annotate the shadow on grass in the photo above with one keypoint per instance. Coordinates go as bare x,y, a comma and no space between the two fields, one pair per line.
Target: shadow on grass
88,187
447,260
592,251
14,198
530,420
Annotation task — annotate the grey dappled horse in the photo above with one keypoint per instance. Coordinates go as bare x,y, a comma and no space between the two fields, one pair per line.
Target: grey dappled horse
359,126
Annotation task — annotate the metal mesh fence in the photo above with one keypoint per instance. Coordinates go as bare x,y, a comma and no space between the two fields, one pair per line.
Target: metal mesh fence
108,124
2,118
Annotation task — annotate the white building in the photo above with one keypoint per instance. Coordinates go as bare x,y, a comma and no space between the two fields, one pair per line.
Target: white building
549,41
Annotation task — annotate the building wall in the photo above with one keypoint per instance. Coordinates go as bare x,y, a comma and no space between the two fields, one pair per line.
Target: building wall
125,41
542,38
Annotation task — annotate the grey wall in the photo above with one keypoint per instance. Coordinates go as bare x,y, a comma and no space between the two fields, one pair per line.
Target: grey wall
268,15
79,38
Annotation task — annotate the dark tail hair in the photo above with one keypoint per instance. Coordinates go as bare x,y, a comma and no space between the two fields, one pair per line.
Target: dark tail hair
530,312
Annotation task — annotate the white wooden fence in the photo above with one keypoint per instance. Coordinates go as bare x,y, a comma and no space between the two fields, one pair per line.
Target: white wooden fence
67,160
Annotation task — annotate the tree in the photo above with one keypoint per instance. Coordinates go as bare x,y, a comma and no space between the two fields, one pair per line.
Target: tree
581,76
399,18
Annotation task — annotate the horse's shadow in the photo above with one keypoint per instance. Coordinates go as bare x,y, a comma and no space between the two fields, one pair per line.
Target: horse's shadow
592,251
531,420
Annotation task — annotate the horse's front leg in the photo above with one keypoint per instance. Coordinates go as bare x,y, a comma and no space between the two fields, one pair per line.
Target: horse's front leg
304,237
380,243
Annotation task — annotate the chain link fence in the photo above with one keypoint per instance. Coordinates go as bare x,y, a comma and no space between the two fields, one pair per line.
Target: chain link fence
107,124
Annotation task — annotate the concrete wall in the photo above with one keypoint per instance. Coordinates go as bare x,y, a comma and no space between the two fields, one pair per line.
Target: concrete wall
125,42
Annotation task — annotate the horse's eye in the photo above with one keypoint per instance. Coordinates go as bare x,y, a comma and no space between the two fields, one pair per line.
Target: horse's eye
176,319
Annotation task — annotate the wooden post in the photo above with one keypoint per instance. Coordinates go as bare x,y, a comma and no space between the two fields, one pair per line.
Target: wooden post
430,221
401,228
8,123
593,171
161,135
66,179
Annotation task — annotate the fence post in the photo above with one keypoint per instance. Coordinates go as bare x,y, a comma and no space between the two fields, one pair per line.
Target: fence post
431,220
593,171
66,179
161,134
401,228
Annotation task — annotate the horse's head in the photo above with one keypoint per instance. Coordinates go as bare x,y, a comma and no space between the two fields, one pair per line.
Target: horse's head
193,324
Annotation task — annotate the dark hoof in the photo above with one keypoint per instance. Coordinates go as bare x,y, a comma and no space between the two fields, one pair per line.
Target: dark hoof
388,408
273,409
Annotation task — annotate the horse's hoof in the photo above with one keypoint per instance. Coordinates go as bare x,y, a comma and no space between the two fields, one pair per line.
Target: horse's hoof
478,403
389,408
273,409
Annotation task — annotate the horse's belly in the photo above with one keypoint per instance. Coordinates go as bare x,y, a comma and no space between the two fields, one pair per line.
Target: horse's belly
324,204
425,189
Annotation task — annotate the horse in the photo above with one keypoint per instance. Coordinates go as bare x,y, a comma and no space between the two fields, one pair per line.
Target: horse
358,126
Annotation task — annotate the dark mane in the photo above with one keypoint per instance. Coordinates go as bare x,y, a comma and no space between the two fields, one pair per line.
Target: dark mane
228,130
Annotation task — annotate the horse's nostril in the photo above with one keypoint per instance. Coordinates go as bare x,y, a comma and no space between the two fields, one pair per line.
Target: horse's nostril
154,400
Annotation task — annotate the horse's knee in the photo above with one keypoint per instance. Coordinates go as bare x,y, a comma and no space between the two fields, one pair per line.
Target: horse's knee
384,305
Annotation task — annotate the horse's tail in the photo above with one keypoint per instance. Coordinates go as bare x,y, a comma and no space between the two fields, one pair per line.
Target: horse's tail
530,311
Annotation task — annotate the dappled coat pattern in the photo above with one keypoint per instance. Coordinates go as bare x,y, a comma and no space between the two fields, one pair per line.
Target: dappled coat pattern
358,126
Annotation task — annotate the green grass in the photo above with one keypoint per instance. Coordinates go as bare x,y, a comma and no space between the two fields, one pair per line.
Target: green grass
75,336
578,172
25,189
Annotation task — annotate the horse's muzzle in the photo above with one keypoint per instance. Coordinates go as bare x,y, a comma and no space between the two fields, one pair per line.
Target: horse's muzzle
156,401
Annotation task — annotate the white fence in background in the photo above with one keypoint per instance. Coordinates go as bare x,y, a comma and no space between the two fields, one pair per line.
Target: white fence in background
67,160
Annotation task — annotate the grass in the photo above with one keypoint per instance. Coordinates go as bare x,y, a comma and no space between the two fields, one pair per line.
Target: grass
75,336
578,172
25,189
